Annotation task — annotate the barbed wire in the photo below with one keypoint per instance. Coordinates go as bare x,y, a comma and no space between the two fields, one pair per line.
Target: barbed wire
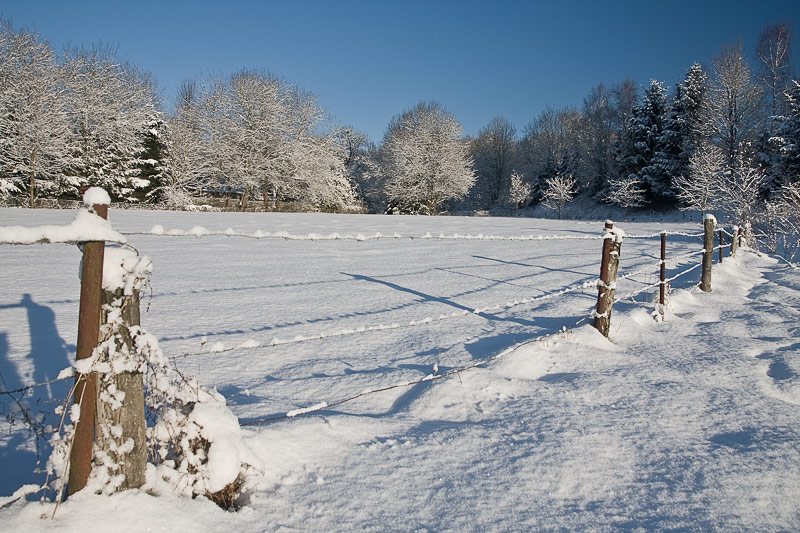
299,339
478,311
199,232
36,385
667,233
673,278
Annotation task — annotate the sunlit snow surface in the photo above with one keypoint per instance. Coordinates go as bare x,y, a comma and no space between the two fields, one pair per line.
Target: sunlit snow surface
691,422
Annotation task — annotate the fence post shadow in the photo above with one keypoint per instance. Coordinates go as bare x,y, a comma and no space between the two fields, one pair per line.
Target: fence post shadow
49,354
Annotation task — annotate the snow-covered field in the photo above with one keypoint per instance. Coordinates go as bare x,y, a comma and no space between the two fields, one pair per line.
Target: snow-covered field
687,423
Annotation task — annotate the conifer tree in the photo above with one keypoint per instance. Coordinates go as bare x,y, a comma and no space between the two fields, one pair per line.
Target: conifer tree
682,130
639,144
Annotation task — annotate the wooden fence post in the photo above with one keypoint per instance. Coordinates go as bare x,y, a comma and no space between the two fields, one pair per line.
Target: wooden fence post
608,279
734,241
663,273
80,463
130,416
720,246
708,254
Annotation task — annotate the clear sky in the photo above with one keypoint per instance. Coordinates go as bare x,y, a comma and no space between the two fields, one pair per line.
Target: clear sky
369,60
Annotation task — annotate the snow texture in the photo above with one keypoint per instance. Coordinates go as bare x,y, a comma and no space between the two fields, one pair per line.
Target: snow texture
96,196
687,422
85,227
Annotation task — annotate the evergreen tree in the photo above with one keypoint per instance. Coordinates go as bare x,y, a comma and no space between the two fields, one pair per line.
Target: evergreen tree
638,145
151,167
682,130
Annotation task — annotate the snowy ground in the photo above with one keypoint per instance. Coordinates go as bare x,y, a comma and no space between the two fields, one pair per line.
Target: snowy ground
687,423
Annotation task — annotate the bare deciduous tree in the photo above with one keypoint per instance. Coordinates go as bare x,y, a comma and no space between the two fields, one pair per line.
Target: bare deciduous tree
493,153
740,189
733,104
773,50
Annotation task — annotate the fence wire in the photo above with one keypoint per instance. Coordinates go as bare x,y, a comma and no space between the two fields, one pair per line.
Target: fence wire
202,232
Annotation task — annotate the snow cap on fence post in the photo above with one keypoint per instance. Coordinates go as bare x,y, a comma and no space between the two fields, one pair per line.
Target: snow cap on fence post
96,196
97,200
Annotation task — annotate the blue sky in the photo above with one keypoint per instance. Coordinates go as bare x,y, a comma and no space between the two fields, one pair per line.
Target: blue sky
369,60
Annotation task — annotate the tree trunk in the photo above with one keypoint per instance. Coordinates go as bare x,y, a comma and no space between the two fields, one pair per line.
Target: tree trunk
32,185
245,196
130,417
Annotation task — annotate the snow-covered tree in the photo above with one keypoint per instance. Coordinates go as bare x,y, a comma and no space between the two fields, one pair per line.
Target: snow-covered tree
557,192
786,209
682,132
322,178
33,127
520,191
740,189
183,146
626,193
638,146
699,187
360,161
109,105
425,160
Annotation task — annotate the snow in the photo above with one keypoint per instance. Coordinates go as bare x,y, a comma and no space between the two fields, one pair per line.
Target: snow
690,422
96,196
85,227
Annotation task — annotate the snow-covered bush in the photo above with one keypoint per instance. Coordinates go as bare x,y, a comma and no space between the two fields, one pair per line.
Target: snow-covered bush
196,445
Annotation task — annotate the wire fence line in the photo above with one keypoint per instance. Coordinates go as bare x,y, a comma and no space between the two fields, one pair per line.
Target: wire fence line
250,345
482,311
201,232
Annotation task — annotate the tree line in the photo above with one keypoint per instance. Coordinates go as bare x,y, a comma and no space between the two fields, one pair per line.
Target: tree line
83,118
717,128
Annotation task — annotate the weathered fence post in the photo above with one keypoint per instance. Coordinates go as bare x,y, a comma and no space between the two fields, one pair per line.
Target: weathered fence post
663,273
708,255
80,463
129,417
608,279
720,246
734,241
